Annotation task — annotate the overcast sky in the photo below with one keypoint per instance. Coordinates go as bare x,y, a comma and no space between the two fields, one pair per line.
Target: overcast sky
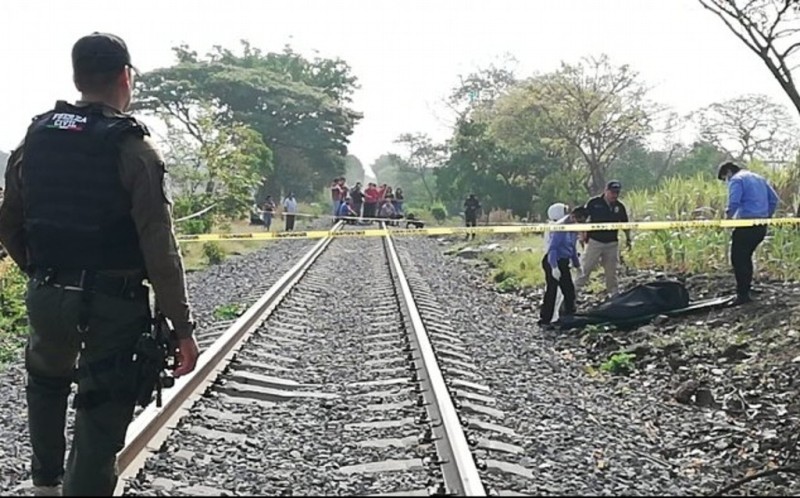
407,54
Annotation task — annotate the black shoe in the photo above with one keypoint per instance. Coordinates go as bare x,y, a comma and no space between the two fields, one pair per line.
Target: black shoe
741,299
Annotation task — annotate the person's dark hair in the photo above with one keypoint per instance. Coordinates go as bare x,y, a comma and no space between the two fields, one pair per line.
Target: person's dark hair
96,82
580,212
727,167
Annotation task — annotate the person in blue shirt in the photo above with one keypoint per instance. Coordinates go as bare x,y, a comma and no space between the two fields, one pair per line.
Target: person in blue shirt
560,251
345,212
750,196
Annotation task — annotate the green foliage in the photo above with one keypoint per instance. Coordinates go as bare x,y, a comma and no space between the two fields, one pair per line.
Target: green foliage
619,363
213,253
215,162
195,226
592,108
353,170
551,138
184,205
705,250
517,268
297,105
227,311
509,284
13,315
422,157
439,212
393,170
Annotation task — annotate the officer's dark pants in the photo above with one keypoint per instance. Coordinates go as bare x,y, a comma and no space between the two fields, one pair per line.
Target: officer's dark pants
369,210
471,221
289,222
744,242
567,289
114,327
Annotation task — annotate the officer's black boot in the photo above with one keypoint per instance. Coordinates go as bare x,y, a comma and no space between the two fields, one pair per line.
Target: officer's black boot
741,298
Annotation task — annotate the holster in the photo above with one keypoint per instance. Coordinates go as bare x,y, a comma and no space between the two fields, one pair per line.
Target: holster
153,357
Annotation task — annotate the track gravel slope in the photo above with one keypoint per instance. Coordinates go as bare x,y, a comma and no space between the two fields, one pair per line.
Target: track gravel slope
237,280
584,432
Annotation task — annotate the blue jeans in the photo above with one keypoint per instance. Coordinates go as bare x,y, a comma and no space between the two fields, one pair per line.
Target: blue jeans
267,217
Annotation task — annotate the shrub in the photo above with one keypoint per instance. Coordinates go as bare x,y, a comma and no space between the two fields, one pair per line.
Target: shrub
13,315
213,253
619,363
439,212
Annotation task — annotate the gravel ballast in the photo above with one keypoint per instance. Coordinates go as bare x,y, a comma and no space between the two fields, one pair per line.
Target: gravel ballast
583,431
310,438
234,281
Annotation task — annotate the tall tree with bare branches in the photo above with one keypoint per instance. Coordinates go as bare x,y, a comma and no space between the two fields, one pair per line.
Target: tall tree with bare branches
749,127
771,29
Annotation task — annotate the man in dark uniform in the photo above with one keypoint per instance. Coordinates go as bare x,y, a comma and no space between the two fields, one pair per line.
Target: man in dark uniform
750,196
602,246
472,208
87,218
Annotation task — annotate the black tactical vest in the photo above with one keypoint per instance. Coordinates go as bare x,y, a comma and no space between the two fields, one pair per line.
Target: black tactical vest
77,214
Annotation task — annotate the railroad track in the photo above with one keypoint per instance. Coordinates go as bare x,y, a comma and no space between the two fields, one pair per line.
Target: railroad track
343,378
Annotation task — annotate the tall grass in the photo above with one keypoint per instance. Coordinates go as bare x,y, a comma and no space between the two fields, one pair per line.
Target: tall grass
707,250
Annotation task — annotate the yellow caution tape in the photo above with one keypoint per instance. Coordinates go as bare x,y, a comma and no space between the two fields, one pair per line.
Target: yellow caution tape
536,228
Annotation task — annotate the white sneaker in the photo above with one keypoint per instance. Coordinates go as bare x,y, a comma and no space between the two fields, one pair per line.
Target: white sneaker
47,490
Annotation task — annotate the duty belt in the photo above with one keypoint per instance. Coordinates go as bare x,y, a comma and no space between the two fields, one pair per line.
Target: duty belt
82,280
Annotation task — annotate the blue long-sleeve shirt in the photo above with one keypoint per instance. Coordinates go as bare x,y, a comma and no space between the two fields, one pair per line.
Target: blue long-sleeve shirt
750,196
562,246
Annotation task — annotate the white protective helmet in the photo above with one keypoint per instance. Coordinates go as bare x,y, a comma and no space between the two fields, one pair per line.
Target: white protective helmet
557,211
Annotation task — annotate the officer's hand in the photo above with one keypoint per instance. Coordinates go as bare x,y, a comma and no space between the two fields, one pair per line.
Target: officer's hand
556,273
628,244
186,356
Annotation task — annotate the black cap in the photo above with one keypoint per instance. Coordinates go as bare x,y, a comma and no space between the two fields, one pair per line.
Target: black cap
613,185
100,53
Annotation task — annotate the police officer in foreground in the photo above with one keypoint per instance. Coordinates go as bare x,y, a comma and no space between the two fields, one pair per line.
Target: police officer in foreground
750,196
86,216
602,246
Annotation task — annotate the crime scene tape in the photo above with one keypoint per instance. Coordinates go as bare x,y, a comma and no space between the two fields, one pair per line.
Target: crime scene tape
501,229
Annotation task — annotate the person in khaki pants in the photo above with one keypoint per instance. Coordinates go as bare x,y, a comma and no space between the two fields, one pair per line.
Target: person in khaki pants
602,246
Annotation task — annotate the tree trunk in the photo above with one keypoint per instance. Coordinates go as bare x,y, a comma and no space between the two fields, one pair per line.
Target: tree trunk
598,183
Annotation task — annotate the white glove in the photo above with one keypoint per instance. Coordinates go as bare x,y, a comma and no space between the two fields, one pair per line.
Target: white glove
556,273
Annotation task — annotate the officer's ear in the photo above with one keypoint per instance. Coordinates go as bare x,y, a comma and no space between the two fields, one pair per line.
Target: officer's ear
127,78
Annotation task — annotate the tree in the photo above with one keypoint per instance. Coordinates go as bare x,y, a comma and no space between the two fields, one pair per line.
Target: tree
700,158
299,106
422,156
770,29
481,88
749,127
595,108
216,163
353,169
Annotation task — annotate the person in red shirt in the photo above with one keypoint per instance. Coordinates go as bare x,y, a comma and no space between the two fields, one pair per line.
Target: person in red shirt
336,195
371,197
344,190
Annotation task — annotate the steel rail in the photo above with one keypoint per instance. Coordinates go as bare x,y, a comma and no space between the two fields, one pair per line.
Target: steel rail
147,431
458,466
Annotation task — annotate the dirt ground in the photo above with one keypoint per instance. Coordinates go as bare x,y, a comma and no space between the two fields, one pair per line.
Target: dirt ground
738,365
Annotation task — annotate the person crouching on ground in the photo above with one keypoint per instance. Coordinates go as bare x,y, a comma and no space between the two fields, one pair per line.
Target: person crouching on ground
346,212
560,252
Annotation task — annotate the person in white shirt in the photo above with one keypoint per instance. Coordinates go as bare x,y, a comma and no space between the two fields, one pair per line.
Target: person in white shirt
289,210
